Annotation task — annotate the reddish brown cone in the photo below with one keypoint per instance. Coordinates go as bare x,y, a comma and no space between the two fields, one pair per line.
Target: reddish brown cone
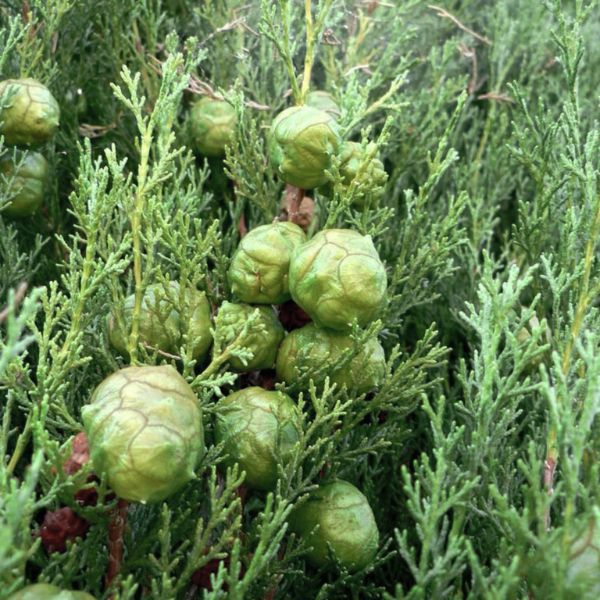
201,577
59,526
80,454
292,316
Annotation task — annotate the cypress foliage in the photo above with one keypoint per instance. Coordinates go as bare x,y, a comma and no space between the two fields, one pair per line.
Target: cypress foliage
478,451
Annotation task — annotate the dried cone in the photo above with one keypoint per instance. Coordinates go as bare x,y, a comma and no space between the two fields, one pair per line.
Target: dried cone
201,577
80,455
59,526
292,316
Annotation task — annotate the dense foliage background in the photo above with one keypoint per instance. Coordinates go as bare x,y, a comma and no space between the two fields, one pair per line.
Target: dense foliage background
486,118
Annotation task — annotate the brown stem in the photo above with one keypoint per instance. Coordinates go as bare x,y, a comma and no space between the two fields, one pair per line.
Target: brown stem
18,298
293,198
549,468
471,54
242,228
440,12
296,207
270,595
373,4
25,11
241,493
116,530
80,454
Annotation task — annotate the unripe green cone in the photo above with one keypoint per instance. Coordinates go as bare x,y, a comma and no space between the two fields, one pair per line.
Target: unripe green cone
212,126
337,277
262,339
302,141
144,428
345,523
29,175
257,426
352,157
33,114
160,322
583,572
258,273
323,101
45,591
311,347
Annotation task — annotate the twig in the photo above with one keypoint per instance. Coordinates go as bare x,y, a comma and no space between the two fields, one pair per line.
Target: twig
500,97
364,67
161,352
446,15
95,131
201,88
296,208
549,469
242,228
238,23
371,6
472,55
256,105
116,530
18,298
293,198
270,595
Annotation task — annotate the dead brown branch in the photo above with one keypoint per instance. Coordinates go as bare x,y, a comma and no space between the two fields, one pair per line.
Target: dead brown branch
19,295
549,469
446,15
365,68
242,227
202,88
500,97
472,56
95,131
330,39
